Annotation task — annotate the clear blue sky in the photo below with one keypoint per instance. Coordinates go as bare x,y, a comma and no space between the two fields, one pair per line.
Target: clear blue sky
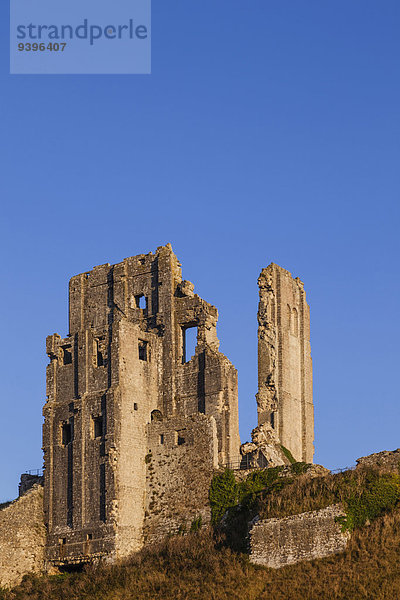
268,131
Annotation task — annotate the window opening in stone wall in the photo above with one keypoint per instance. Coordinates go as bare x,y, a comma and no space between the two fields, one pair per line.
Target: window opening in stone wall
89,536
135,406
66,434
97,427
143,350
156,415
289,318
180,440
67,355
189,342
161,438
272,420
141,302
62,541
98,354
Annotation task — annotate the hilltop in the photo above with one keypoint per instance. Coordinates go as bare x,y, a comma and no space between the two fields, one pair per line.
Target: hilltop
201,565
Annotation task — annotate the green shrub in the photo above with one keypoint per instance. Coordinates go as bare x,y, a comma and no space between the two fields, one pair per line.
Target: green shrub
223,494
299,468
379,495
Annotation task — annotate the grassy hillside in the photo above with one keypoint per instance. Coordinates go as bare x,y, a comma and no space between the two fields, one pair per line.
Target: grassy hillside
192,567
199,566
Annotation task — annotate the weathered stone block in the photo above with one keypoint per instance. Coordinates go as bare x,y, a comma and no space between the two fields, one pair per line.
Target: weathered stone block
279,542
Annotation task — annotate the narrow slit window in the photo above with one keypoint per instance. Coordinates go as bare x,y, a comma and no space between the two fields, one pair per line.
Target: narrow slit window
135,406
143,350
97,427
161,438
99,358
66,434
189,343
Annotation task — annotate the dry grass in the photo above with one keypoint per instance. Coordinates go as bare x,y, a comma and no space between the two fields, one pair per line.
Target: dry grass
193,567
304,494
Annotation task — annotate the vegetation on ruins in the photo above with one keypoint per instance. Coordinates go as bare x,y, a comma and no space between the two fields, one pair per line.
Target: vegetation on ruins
365,494
199,567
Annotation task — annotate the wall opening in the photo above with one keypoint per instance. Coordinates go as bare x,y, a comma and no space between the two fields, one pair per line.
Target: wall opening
135,406
272,420
161,438
97,427
156,415
141,302
143,350
99,358
67,355
66,434
189,342
179,439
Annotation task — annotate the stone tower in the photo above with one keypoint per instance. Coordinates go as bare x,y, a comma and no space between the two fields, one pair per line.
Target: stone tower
284,398
133,427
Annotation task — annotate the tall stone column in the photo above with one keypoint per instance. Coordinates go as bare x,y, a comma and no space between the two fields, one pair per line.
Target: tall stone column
284,398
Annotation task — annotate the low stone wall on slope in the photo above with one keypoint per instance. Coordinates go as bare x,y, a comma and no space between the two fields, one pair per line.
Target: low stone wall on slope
279,542
22,537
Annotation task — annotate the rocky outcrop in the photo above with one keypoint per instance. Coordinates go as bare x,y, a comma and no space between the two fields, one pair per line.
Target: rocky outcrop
386,459
264,450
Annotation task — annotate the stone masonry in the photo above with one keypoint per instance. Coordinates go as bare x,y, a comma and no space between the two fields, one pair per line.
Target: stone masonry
133,426
284,399
279,542
22,537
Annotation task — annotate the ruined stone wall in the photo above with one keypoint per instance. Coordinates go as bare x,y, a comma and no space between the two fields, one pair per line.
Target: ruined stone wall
279,542
137,399
182,456
22,537
284,396
123,362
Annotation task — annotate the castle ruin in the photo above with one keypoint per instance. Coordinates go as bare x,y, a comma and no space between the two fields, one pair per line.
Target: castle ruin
134,427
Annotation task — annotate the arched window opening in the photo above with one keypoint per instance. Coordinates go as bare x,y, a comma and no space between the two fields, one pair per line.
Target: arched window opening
156,415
